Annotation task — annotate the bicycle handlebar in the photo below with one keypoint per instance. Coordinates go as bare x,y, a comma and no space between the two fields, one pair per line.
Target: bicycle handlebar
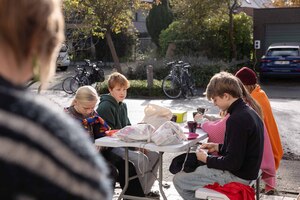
179,63
171,63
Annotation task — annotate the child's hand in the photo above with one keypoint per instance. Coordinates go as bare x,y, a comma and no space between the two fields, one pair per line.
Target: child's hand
210,147
144,151
201,155
223,113
198,117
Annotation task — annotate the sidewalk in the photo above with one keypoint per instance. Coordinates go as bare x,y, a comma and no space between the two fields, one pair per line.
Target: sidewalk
288,176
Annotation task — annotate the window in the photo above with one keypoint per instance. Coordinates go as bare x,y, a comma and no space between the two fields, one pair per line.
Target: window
283,52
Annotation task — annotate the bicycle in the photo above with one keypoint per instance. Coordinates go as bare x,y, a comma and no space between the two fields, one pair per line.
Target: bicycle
179,82
83,77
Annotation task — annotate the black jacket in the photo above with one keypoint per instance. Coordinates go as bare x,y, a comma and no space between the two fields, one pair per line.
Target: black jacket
241,153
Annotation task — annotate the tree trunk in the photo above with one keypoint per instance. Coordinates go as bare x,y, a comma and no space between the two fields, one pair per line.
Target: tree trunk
93,48
113,51
233,53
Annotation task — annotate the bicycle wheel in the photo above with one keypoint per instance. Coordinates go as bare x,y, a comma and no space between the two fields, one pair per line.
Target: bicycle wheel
66,85
85,80
191,85
171,87
188,86
75,83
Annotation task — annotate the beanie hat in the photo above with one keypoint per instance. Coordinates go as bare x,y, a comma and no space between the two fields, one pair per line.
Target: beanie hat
247,76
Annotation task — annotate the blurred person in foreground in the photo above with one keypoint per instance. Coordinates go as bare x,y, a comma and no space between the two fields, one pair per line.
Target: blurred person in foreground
44,153
249,79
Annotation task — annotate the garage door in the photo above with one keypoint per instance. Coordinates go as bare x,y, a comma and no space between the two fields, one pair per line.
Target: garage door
282,33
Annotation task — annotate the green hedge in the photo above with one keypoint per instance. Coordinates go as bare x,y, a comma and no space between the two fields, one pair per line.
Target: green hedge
138,89
202,70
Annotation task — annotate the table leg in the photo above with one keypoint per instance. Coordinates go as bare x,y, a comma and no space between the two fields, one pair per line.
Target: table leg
122,195
161,176
126,174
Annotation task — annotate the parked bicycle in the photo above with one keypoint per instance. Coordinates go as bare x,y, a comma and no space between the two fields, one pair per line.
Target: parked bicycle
179,82
84,77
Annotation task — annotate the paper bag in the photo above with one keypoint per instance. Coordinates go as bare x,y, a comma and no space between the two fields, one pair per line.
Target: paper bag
156,115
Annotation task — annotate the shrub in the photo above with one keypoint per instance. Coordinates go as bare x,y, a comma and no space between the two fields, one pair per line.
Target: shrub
211,41
159,69
202,68
138,89
171,34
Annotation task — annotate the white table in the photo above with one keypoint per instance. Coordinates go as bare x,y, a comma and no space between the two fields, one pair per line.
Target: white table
115,142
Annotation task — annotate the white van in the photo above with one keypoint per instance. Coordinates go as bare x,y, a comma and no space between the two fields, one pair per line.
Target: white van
63,59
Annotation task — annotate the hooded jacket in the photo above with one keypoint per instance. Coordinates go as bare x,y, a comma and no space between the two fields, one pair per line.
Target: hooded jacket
260,96
114,113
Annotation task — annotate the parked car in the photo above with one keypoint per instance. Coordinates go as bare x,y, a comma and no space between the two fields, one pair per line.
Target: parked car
280,60
63,59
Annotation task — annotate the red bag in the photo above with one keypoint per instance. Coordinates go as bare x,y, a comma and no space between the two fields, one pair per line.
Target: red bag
234,190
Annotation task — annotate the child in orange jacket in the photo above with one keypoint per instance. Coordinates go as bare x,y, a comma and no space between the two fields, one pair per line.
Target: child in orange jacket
249,79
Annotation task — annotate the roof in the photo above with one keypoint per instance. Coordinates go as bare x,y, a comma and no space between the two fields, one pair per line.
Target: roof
285,45
256,3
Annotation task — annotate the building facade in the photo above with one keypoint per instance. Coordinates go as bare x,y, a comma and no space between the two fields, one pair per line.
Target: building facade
275,25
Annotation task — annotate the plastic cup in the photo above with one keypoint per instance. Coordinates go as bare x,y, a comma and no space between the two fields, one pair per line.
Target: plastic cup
192,125
201,110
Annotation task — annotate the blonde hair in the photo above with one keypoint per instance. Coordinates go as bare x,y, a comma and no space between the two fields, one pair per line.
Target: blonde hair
221,83
33,29
85,94
117,78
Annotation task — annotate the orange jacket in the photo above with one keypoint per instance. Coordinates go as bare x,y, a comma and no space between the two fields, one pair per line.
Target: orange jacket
260,96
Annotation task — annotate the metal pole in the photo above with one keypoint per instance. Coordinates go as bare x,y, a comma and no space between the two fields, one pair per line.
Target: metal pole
149,76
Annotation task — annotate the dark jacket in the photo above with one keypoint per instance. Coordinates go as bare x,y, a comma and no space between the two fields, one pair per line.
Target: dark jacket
114,113
44,153
241,153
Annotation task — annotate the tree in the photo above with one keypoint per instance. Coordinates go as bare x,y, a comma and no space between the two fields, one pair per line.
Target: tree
104,17
286,3
197,18
194,12
232,6
77,38
158,19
